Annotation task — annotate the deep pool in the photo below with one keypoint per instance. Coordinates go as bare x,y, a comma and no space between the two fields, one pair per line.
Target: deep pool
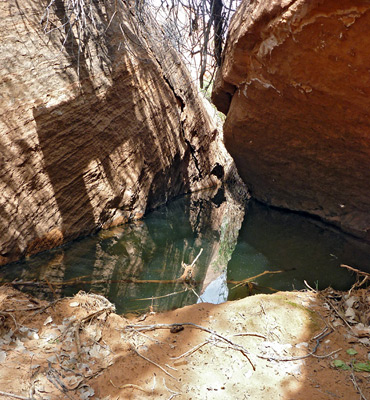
238,241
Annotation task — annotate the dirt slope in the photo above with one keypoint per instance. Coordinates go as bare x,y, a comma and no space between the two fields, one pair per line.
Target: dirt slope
78,348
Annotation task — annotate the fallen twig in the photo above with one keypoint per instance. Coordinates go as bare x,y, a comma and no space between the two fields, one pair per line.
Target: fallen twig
196,258
355,270
192,350
15,396
53,377
309,287
250,334
359,273
357,387
318,339
337,312
244,281
41,308
161,297
173,393
153,362
130,386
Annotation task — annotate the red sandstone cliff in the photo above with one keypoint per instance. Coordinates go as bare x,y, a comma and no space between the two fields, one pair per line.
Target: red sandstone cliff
295,85
93,140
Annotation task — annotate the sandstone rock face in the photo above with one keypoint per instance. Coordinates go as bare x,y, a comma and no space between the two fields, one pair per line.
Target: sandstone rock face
95,137
295,84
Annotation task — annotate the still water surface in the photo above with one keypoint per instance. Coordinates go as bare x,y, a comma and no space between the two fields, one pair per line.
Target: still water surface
238,241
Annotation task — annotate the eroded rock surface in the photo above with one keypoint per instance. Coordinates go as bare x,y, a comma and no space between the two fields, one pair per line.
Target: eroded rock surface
95,137
295,85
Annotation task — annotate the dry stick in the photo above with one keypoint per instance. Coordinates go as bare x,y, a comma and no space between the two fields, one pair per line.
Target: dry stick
197,295
198,346
318,338
156,341
358,273
173,393
357,387
355,270
52,376
309,287
169,326
169,366
95,282
239,283
41,308
153,362
130,386
250,334
337,312
161,297
192,350
196,258
78,341
15,396
330,304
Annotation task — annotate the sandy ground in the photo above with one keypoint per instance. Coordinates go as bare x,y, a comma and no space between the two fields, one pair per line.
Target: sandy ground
281,346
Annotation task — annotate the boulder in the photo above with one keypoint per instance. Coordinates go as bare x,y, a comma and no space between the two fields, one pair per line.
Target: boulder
99,123
295,85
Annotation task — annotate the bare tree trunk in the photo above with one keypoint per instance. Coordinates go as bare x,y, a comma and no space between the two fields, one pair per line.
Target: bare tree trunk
218,25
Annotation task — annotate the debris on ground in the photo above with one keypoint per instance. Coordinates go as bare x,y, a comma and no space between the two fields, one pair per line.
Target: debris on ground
288,345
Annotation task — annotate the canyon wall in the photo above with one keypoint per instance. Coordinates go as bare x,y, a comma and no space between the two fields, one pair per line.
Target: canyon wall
295,85
99,123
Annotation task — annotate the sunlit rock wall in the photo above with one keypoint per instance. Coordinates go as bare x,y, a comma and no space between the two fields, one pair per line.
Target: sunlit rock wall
95,137
295,86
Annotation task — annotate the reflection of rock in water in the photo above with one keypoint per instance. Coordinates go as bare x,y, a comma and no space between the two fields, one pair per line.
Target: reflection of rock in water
226,219
127,253
53,271
152,249
168,237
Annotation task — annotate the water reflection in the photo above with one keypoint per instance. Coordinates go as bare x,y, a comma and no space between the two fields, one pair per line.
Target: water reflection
126,263
303,248
152,249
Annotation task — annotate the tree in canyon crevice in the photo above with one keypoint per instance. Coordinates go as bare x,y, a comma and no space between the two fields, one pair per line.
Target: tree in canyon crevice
196,28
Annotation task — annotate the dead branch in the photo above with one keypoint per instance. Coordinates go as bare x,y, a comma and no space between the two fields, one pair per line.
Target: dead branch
153,362
318,339
192,350
244,281
196,258
357,387
355,270
161,297
53,377
130,386
336,311
15,396
173,393
250,334
357,284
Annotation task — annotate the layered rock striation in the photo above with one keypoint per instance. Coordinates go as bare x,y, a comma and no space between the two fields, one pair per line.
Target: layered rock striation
295,85
99,123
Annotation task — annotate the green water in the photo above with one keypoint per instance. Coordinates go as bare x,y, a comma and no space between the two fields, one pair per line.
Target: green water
238,242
